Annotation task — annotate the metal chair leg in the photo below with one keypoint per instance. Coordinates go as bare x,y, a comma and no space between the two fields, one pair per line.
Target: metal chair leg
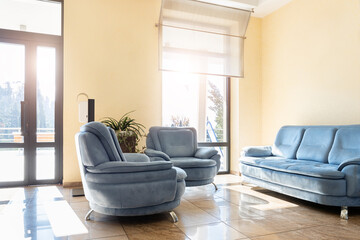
173,216
87,217
344,213
216,188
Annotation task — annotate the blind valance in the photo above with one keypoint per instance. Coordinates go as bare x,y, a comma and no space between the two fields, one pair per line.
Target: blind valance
203,38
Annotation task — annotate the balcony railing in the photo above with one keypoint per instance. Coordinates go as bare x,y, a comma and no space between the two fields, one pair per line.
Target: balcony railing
13,135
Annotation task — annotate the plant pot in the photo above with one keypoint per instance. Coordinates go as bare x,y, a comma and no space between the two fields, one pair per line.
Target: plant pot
127,141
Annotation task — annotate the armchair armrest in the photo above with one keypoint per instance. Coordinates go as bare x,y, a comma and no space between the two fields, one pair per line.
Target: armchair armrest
351,161
136,157
180,174
156,154
129,167
256,151
205,153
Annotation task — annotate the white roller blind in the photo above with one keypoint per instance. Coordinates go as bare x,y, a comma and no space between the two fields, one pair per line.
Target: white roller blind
203,38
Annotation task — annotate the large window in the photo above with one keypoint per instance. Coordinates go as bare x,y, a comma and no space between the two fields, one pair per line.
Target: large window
201,47
199,101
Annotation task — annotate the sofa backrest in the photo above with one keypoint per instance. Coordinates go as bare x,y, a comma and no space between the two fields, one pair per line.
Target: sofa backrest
346,145
287,141
316,144
322,143
175,142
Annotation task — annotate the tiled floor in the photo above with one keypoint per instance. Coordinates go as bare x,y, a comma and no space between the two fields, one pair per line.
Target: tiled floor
234,211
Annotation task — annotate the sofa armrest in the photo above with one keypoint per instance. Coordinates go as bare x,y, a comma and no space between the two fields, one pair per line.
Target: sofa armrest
256,151
136,157
351,169
205,152
351,161
156,154
129,167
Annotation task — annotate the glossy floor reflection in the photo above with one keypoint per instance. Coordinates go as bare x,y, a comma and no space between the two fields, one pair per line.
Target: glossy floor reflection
235,211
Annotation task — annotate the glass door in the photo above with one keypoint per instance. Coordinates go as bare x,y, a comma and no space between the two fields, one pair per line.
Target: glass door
30,112
12,88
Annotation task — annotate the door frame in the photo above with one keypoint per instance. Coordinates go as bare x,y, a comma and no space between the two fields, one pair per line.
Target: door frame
31,41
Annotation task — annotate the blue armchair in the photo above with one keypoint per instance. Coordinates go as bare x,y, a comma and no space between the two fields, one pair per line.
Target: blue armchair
179,146
124,184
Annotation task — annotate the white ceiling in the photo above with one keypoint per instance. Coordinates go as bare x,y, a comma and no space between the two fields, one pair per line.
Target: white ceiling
265,7
261,7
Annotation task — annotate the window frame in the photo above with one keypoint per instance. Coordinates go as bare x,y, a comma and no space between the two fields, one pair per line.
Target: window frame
225,143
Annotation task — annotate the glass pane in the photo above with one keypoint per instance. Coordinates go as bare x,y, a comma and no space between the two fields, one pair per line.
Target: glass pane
198,101
223,151
45,102
45,163
12,164
31,16
12,78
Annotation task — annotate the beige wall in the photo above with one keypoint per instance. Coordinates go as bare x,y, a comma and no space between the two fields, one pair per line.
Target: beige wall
302,66
110,53
310,65
246,97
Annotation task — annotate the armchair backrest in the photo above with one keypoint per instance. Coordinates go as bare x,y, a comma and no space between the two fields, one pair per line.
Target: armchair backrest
97,145
175,142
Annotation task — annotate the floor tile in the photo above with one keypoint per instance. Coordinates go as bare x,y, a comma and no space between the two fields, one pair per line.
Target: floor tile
114,238
190,215
329,232
252,227
213,231
143,224
100,230
164,234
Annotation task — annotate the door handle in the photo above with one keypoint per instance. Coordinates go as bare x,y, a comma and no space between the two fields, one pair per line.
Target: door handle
23,122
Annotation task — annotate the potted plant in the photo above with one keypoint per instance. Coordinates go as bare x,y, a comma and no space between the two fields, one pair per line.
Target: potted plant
128,131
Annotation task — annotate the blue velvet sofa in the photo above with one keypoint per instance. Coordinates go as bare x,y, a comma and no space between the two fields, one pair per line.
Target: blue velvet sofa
180,146
320,164
124,184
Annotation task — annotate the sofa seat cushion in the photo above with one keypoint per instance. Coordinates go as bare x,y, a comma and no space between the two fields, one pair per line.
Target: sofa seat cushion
295,166
323,186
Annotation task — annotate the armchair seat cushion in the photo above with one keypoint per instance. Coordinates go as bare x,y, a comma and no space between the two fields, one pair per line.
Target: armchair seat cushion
123,167
131,177
191,162
295,166
196,169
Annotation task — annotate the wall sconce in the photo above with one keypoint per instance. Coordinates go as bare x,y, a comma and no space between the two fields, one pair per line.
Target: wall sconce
86,109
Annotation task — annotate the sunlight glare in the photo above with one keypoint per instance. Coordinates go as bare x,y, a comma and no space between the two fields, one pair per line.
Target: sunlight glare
63,220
